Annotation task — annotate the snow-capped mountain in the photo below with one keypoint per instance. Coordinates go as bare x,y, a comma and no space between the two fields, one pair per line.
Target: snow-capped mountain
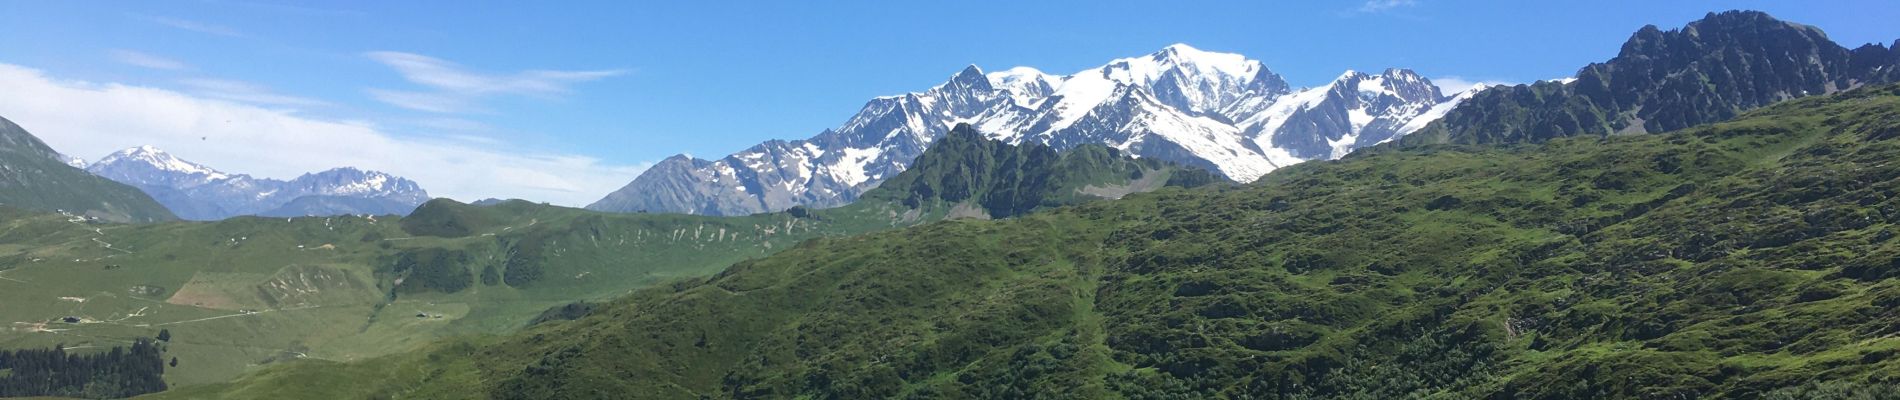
197,192
149,166
1218,111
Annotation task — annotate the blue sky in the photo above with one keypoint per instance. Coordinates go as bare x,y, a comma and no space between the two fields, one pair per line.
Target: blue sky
563,104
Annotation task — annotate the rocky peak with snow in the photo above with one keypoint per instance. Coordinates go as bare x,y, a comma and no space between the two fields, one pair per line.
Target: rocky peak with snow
1353,111
198,192
352,182
1218,111
147,165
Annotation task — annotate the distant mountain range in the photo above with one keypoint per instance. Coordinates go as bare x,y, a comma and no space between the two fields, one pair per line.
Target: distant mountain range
35,177
1708,71
1218,111
197,192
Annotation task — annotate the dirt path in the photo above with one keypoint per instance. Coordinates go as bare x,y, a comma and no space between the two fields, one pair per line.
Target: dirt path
228,315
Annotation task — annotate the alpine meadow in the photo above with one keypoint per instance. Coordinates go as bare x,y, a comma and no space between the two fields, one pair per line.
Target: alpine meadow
1709,210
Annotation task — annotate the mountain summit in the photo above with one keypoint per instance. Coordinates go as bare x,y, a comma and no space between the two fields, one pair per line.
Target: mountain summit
198,192
1217,111
1708,71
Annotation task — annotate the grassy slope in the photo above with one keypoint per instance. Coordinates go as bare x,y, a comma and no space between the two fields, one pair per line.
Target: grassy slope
1731,260
31,178
246,292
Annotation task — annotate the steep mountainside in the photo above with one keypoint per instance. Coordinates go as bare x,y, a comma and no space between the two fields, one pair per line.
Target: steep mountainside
1705,72
1220,112
1748,259
243,292
33,176
197,192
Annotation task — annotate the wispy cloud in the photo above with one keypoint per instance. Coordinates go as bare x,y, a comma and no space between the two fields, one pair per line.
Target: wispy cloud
80,117
421,101
193,26
1378,6
145,60
455,89
246,92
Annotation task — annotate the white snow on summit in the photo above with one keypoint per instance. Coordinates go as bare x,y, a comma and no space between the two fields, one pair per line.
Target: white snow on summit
1218,111
160,160
197,192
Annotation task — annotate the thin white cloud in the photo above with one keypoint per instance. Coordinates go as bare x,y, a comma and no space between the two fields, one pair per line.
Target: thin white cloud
247,93
146,60
193,26
1377,6
454,89
1455,84
422,101
87,118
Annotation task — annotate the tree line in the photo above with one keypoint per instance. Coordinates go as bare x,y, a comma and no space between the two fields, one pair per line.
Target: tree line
117,373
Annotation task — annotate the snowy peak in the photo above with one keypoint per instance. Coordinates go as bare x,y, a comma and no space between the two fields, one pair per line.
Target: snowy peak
1409,86
1024,85
1353,111
1398,82
148,156
352,182
970,78
147,165
1179,58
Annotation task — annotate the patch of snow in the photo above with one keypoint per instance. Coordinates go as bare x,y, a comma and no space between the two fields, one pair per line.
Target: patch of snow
851,168
1437,111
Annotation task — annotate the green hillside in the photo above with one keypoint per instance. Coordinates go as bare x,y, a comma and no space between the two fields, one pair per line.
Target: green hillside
32,177
1748,259
248,292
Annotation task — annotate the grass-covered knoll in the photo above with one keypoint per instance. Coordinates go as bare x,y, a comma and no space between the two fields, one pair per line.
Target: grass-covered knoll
248,292
1745,259
972,175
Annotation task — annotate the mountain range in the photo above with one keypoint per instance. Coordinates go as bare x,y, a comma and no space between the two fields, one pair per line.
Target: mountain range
1217,111
1710,214
1751,259
197,192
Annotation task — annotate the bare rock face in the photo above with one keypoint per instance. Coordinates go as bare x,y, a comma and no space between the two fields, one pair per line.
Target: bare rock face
1708,71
